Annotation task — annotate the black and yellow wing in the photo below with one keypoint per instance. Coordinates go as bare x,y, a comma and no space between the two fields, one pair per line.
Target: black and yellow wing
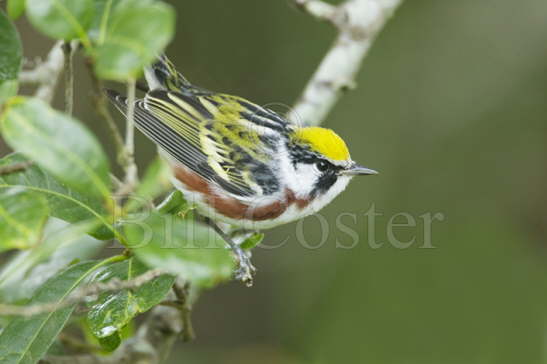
225,139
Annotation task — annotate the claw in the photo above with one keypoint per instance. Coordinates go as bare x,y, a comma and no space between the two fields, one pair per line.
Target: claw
245,270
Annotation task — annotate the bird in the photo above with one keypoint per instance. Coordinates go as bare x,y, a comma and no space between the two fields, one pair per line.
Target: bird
239,163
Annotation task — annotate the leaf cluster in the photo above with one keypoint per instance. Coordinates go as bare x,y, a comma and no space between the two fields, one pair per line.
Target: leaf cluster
58,207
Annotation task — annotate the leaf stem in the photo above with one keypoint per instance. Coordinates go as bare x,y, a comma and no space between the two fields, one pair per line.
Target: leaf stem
104,21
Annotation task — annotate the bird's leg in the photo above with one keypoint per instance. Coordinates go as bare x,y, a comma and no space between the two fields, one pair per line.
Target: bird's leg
245,270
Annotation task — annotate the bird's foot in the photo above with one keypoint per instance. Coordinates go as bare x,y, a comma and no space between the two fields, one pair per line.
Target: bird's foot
245,270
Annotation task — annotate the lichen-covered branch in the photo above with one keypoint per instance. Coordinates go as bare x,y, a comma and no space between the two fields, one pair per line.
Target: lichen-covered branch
69,48
80,295
130,167
46,74
102,110
358,23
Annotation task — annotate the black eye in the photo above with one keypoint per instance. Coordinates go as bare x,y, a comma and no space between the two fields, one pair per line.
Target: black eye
322,165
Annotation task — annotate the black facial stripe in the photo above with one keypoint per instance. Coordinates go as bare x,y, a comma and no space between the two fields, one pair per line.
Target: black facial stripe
324,183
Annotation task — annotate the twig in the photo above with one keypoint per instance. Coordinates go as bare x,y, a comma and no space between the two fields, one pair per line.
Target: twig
80,295
15,167
69,48
358,23
103,111
183,294
130,122
317,8
131,173
46,74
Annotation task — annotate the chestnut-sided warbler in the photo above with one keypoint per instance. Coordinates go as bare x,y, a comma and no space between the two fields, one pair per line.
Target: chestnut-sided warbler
239,163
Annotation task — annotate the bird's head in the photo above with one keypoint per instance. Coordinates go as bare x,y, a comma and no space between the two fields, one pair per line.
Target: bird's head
322,162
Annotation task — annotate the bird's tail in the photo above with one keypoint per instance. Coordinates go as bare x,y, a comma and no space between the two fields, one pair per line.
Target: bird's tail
163,75
117,99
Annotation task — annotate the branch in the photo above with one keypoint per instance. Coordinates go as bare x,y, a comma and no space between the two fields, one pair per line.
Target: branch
69,48
46,74
358,23
318,9
151,344
130,167
15,167
101,102
81,294
125,150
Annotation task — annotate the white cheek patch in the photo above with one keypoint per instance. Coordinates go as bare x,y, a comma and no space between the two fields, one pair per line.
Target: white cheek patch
303,180
322,200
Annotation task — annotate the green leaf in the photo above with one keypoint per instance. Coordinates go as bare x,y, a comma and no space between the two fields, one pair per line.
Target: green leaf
181,247
61,19
137,32
26,340
64,203
8,89
59,144
154,183
23,214
175,204
114,310
15,8
10,51
252,241
63,243
103,10
110,343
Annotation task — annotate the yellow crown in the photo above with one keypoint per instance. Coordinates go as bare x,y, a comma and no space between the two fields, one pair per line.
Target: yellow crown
324,141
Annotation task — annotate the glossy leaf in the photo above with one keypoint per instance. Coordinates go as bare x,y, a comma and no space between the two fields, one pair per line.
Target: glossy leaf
175,204
138,30
59,144
114,310
252,241
10,51
181,247
26,340
15,8
63,243
110,343
154,183
64,203
23,214
61,19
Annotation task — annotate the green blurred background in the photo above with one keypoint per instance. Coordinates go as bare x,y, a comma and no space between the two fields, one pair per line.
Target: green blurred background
451,109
